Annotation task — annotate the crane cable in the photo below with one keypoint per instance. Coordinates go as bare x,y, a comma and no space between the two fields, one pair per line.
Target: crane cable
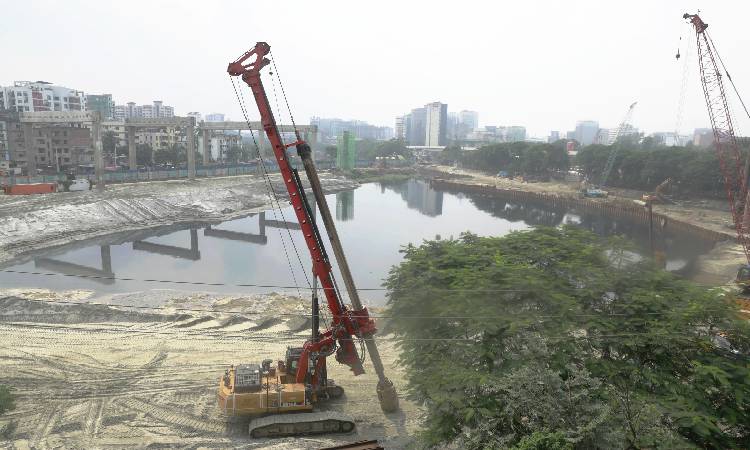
296,133
727,73
683,89
275,204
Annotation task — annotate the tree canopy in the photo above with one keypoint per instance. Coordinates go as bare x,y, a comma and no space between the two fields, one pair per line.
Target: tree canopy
524,158
695,170
235,154
553,338
173,154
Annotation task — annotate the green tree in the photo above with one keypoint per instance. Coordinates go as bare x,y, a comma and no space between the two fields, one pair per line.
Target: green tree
450,154
393,147
235,154
695,170
143,154
548,331
173,154
109,142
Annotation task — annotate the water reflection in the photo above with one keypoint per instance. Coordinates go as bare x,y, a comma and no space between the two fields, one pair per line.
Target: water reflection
192,253
389,216
345,206
102,276
673,251
420,196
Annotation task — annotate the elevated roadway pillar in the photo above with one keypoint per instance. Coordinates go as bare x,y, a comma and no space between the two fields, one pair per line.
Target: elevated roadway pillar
190,129
132,160
206,135
96,137
31,152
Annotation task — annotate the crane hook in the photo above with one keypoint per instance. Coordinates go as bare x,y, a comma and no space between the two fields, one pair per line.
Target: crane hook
677,56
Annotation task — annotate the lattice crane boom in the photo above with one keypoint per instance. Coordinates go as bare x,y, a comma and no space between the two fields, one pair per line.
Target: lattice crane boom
613,153
725,141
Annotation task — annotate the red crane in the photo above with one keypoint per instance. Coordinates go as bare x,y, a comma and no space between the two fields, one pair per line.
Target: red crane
733,169
348,324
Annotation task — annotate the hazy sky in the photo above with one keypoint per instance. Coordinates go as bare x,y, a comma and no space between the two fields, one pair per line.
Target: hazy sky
539,64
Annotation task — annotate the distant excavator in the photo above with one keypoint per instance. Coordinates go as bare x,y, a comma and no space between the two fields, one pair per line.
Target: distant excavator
300,381
597,191
659,194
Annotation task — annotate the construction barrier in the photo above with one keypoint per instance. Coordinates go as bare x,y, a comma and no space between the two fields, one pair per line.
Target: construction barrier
132,176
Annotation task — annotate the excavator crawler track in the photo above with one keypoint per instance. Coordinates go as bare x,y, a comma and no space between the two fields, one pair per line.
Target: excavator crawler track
301,424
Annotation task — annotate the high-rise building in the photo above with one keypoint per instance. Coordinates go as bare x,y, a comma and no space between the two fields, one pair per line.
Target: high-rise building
101,103
586,131
416,126
452,131
515,133
426,126
603,136
130,110
400,129
41,96
196,114
435,124
554,136
703,137
330,129
470,119
215,117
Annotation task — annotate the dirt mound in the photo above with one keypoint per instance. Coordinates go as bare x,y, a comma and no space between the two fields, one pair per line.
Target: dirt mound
16,309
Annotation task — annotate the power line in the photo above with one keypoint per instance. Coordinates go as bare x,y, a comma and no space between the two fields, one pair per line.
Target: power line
257,285
270,190
379,316
57,328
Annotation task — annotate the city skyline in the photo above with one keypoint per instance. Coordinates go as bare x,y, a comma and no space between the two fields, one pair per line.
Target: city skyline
548,83
449,127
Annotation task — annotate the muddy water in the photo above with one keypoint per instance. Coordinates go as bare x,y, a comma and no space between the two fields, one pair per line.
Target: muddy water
259,253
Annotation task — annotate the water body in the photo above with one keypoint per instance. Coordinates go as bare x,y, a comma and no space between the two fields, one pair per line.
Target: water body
374,222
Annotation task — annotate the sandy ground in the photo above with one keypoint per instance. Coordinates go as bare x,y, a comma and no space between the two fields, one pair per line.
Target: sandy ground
718,267
98,376
33,222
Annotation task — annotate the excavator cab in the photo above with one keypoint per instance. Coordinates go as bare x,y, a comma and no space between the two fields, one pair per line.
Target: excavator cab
291,362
